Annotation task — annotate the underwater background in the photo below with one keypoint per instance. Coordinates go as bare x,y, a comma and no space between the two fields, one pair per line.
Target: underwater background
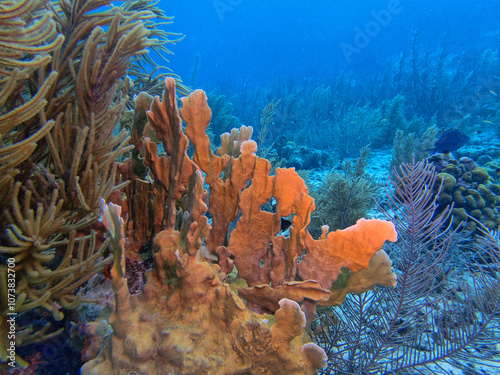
433,58
383,110
262,41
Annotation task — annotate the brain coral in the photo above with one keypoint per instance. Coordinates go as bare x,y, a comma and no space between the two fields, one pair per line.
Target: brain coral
470,188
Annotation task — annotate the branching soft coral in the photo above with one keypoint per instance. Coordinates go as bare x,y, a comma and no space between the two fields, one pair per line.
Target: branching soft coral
444,308
63,90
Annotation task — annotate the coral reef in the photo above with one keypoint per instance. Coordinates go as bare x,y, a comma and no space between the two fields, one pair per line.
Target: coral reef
63,90
188,318
345,196
471,189
442,316
303,157
407,147
201,326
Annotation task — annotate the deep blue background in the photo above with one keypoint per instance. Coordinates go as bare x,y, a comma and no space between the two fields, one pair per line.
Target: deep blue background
264,39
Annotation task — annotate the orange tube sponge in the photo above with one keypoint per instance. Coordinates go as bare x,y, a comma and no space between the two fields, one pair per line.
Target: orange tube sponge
188,320
171,173
351,248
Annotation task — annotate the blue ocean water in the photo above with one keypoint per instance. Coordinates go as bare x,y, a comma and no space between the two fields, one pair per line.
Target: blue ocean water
261,40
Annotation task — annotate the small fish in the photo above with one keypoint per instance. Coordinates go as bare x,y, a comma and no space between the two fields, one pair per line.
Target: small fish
488,122
490,107
106,271
450,141
285,224
493,93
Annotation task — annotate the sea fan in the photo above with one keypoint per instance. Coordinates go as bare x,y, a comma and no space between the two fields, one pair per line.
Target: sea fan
438,315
